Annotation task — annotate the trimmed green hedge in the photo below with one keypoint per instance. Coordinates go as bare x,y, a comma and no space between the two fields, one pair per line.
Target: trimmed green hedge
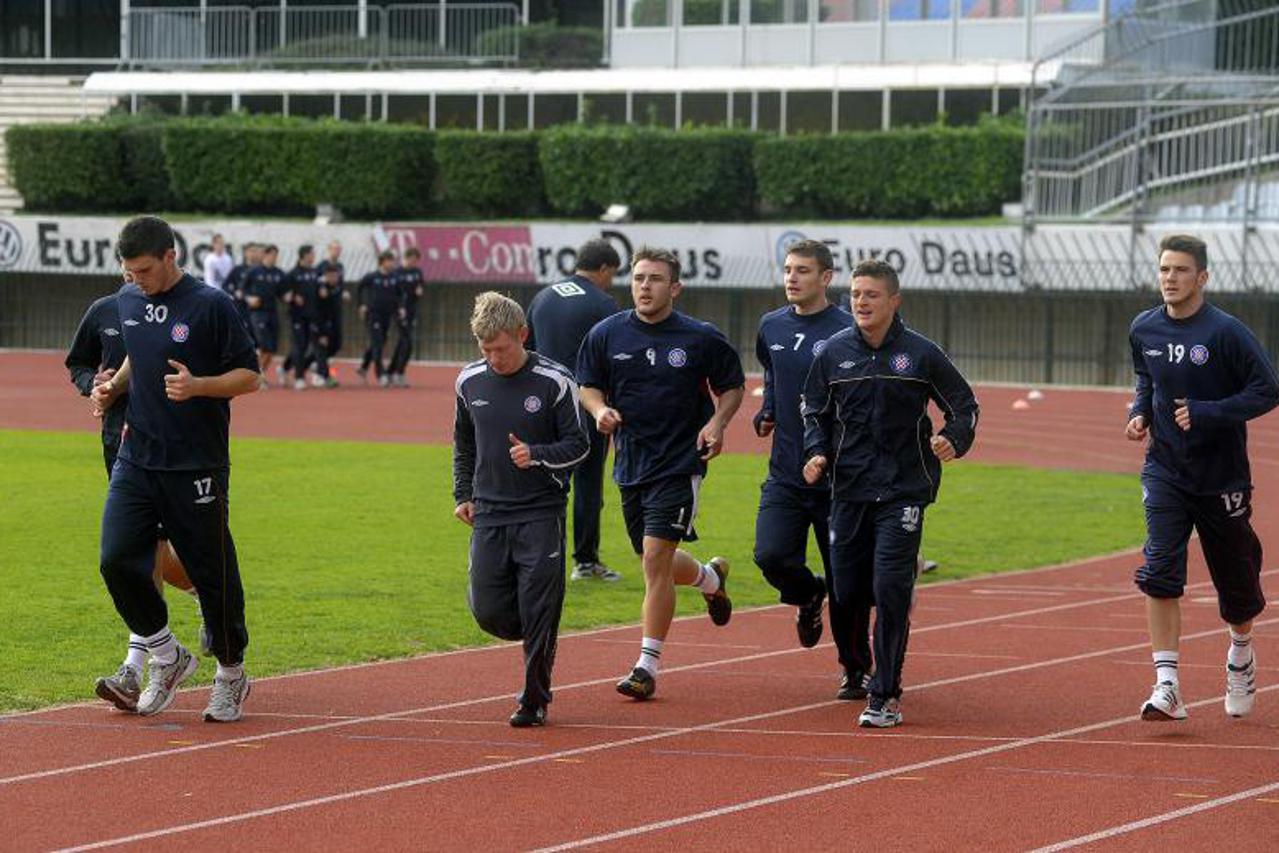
252,165
687,175
492,174
899,174
290,165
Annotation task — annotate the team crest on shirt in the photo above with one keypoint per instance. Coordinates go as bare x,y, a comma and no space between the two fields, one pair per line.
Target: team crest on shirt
1199,354
532,404
677,357
180,332
900,363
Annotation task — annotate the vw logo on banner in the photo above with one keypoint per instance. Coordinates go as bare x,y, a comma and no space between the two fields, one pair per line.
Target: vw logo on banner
10,245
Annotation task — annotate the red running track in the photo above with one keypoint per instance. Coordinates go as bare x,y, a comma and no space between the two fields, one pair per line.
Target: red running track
1020,733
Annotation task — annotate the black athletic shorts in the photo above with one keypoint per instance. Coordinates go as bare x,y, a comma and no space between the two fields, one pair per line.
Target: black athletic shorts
664,509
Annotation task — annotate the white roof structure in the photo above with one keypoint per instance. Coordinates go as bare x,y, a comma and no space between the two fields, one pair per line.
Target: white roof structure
859,77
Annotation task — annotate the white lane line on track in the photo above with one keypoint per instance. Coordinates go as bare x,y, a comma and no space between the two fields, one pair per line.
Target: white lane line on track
590,632
662,735
1155,820
644,829
506,697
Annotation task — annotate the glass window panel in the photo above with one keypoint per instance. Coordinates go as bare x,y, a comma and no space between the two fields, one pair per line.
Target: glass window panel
914,107
861,110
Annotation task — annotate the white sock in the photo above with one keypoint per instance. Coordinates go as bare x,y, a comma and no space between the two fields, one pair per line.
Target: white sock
707,581
1166,666
229,673
1240,654
162,645
650,655
137,656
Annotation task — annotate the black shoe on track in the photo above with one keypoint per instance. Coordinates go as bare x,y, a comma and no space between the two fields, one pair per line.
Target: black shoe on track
808,621
853,686
527,716
640,684
719,605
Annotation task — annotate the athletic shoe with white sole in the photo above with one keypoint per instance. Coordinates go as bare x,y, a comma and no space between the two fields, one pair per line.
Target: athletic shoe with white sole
121,689
226,701
853,686
1241,688
1164,704
586,571
528,716
718,604
640,684
163,681
881,714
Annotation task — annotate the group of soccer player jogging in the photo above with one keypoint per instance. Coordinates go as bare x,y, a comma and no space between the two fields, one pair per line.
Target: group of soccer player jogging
854,459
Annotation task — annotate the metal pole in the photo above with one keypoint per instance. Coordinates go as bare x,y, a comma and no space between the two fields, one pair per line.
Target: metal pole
679,109
284,5
430,110
1250,191
677,18
48,29
881,32
745,21
124,30
479,111
812,31
443,36
781,109
362,18
524,13
886,107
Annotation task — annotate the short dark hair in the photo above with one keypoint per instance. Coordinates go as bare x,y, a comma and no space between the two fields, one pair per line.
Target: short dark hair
304,250
881,270
385,255
270,247
1186,243
144,235
594,255
413,252
666,256
815,249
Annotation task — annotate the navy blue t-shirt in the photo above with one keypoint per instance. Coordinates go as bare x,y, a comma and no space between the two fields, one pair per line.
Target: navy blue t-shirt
1213,361
561,314
658,376
267,284
196,325
379,292
786,345
301,285
409,281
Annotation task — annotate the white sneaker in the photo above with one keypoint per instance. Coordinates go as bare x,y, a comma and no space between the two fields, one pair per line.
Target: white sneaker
1164,704
881,714
226,701
299,384
586,571
1241,688
163,681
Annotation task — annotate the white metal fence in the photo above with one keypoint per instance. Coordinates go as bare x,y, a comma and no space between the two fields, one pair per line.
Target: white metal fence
316,35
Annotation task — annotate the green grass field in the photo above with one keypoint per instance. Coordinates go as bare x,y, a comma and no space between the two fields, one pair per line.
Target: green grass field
349,551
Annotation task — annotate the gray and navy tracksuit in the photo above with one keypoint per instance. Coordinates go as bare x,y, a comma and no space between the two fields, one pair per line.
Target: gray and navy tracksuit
98,345
659,377
785,346
866,410
174,462
517,545
559,317
1200,478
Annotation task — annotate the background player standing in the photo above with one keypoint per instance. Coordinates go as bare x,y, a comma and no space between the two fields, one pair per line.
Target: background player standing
518,432
1201,376
409,280
188,354
559,317
866,420
788,340
647,376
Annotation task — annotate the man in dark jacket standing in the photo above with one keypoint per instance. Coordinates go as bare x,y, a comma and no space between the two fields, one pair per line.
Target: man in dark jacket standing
866,424
559,317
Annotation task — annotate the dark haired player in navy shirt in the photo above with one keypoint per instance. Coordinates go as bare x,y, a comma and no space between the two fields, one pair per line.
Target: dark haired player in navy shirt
263,288
866,423
1201,376
788,340
378,295
408,278
559,317
300,286
647,377
188,354
331,307
96,354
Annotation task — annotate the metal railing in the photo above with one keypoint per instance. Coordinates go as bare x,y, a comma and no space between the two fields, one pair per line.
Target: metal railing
1179,124
316,35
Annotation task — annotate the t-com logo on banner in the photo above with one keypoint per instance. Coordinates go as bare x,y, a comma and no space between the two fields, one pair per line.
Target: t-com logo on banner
10,245
460,253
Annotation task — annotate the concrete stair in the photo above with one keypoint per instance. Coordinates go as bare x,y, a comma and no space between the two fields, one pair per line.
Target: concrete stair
45,98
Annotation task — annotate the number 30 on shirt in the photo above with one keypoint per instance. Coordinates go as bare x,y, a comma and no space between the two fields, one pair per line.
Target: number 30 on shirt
156,313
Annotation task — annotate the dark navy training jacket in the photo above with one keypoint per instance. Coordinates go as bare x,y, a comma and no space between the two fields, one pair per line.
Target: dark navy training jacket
866,411
1214,362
